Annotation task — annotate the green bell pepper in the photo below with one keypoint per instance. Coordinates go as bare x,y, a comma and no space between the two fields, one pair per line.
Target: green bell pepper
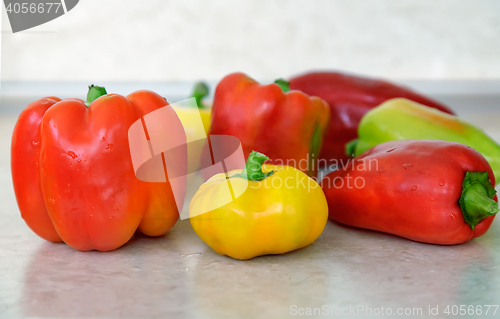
402,119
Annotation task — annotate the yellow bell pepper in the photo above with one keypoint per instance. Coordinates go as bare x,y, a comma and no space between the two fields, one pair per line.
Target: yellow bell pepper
189,115
189,119
280,209
195,129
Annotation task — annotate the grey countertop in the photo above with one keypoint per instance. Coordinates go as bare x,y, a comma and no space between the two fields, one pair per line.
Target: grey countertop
346,270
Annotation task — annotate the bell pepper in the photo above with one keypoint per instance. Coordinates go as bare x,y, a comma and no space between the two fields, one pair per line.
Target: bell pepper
350,97
189,116
195,130
280,209
399,119
73,175
429,191
286,125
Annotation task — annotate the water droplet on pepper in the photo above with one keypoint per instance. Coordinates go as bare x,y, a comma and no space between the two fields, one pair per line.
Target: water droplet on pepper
407,165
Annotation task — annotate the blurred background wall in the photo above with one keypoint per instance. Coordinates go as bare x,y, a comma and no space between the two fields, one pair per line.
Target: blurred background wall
184,40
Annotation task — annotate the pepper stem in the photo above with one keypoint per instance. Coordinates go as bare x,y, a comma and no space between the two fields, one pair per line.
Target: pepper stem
253,167
476,200
314,147
283,84
94,92
200,91
350,147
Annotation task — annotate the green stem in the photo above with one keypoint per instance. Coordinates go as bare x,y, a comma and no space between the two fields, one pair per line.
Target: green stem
476,200
253,167
94,93
200,91
283,84
350,148
314,147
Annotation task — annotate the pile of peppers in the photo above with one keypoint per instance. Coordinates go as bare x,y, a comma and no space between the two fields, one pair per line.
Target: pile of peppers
410,167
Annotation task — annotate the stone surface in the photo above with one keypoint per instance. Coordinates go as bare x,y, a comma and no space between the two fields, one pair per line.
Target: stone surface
177,275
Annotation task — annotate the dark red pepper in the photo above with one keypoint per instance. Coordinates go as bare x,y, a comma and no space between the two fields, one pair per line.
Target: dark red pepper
429,191
350,97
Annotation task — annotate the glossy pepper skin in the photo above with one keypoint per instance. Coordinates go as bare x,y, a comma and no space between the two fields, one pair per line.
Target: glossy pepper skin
429,191
281,210
287,127
73,175
350,97
189,115
399,119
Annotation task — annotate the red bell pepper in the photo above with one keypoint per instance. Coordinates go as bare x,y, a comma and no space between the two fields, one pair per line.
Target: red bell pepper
73,176
350,97
286,126
429,191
